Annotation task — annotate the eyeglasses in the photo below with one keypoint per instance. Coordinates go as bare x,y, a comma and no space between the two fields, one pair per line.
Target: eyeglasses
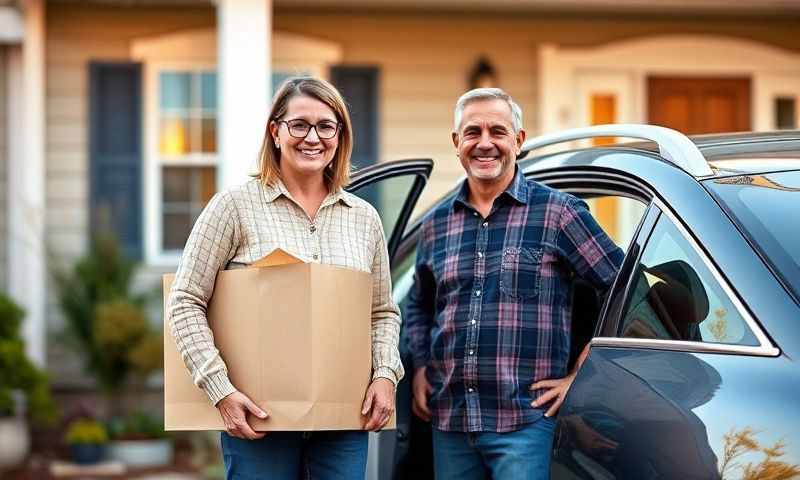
299,128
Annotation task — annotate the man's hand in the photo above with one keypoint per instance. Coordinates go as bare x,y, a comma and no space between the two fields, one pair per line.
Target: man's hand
233,410
420,389
379,399
556,390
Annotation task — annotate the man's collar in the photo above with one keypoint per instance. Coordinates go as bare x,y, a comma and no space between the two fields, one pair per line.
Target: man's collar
517,190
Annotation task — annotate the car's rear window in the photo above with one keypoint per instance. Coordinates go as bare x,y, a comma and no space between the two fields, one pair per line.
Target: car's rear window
767,206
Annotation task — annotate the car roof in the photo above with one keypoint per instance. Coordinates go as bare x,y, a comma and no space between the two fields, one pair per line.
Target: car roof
727,154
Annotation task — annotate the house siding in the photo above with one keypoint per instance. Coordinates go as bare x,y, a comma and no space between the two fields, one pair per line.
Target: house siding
425,59
3,173
76,36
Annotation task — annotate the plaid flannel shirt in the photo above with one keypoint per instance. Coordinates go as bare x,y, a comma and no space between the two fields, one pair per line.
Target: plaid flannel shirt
489,313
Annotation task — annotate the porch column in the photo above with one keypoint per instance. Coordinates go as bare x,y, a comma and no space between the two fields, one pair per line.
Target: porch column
26,178
244,33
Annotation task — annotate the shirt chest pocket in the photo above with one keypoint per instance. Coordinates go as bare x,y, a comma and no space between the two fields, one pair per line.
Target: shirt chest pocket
520,272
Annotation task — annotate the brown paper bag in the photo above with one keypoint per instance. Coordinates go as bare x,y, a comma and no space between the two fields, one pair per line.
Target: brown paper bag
296,339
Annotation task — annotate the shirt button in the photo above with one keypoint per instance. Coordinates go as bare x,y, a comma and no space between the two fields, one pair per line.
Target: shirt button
474,214
472,352
313,228
480,254
470,389
477,293
485,224
473,321
315,256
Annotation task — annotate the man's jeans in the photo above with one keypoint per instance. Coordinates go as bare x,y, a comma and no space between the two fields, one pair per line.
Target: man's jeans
293,455
524,453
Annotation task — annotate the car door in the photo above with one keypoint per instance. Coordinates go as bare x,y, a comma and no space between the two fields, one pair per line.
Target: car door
393,188
412,441
674,384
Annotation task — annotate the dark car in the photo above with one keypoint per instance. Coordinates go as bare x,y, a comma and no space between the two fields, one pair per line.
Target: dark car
692,369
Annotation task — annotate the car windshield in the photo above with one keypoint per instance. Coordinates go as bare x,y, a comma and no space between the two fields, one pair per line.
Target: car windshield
767,206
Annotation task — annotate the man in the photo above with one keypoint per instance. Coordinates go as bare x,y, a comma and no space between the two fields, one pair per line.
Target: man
488,318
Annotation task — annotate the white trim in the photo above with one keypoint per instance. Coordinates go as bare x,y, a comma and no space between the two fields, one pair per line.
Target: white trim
767,89
565,71
197,50
11,27
244,78
152,184
685,346
26,179
290,52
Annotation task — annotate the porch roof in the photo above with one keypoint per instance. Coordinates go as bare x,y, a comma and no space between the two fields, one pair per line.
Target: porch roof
673,7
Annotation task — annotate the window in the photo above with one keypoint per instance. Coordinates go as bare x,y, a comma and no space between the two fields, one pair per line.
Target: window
785,113
187,151
618,216
603,111
674,296
388,197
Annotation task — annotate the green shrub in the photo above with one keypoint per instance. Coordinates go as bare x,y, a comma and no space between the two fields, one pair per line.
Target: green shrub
17,372
105,321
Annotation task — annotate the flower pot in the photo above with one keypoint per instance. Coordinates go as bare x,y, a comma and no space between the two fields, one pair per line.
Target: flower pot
87,453
15,441
142,453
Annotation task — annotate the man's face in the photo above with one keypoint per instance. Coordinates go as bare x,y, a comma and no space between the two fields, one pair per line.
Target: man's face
485,141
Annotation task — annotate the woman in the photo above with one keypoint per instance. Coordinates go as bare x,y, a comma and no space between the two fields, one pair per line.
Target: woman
295,203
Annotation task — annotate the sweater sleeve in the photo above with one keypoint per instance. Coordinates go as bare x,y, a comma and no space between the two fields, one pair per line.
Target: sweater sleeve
386,361
212,243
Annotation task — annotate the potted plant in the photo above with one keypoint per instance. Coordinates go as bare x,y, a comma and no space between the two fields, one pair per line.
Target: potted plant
24,389
108,324
139,440
86,439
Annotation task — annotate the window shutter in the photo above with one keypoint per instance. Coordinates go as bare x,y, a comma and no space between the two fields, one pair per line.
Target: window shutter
115,153
359,87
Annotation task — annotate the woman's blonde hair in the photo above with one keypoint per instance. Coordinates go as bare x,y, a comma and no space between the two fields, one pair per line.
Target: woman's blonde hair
337,174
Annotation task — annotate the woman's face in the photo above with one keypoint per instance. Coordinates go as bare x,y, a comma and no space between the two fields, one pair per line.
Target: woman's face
309,155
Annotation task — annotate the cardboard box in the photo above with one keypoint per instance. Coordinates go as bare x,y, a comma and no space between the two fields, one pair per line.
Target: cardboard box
296,339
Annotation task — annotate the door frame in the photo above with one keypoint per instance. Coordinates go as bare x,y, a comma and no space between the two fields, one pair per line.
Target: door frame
421,168
567,75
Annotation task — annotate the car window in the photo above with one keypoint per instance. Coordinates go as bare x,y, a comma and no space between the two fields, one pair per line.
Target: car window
403,273
674,295
764,207
618,216
388,197
393,188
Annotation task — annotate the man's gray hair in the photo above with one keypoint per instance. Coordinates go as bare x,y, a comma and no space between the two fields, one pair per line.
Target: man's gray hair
477,94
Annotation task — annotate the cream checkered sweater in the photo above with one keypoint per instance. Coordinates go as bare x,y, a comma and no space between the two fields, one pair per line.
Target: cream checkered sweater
240,226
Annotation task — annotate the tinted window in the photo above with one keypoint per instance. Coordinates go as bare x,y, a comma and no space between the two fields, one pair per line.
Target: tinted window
674,296
618,216
388,196
767,207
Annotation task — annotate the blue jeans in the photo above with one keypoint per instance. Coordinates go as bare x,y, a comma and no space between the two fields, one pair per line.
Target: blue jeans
523,453
297,455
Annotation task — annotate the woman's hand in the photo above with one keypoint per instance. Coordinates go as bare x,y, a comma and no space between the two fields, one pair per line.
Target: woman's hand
379,399
233,410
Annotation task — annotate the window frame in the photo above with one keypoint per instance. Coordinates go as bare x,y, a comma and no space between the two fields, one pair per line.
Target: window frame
611,323
155,254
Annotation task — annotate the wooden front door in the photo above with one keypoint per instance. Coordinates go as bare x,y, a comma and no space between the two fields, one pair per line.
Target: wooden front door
699,105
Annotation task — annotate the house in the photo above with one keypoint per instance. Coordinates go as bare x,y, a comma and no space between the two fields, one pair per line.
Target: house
129,114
